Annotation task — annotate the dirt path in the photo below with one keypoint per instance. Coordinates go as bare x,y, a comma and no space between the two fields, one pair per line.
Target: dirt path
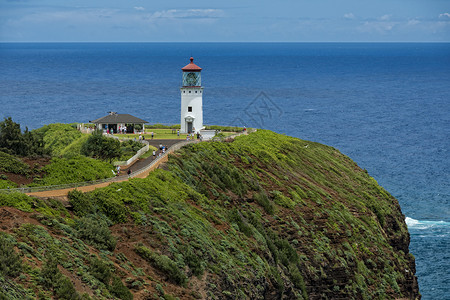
142,166
138,165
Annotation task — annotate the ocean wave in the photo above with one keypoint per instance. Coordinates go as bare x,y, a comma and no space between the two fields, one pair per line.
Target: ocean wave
418,224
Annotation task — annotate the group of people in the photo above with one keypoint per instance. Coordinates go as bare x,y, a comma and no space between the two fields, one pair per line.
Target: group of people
122,129
118,171
190,136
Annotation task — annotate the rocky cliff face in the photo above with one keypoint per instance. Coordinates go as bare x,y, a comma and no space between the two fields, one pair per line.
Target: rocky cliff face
262,217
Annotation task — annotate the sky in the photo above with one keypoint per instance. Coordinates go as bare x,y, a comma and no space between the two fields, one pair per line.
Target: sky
225,21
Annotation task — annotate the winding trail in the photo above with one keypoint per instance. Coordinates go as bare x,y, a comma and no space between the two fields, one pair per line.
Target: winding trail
142,168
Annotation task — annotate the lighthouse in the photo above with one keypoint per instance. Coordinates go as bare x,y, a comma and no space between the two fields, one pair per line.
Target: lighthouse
191,99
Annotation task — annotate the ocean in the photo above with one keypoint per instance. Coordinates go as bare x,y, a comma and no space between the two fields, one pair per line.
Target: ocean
386,105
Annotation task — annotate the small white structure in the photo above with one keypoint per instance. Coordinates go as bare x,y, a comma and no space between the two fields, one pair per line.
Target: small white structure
191,99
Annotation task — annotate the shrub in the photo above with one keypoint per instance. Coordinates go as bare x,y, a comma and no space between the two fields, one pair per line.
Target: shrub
101,147
224,128
95,232
51,277
193,260
282,200
11,164
49,272
118,289
10,262
129,148
58,138
64,289
100,270
235,217
4,184
161,126
74,169
162,263
82,204
262,199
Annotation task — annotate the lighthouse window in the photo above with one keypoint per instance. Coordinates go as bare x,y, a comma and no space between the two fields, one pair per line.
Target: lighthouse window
196,92
200,92
189,108
189,92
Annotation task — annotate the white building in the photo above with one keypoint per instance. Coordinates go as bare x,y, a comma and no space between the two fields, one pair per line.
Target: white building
191,99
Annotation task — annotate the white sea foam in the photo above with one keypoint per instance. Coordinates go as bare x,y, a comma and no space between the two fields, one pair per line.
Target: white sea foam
417,224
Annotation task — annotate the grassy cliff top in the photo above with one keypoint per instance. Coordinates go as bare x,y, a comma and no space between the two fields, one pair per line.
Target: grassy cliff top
265,216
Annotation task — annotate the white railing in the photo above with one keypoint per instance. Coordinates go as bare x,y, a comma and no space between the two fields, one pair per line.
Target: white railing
156,161
134,158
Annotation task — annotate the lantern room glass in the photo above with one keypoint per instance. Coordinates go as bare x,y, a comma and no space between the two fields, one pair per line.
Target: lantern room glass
192,79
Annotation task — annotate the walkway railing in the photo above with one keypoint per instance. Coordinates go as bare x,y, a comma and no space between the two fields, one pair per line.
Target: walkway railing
156,161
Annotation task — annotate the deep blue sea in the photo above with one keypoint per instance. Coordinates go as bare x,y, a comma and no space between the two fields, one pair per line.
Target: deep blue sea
386,105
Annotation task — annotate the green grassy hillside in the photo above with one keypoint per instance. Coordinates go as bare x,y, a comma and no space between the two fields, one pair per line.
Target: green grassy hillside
263,217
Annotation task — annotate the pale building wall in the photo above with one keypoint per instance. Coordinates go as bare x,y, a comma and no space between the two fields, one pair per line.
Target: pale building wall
191,97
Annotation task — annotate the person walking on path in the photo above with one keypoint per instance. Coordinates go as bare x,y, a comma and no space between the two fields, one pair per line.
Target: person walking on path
178,133
152,135
129,173
154,153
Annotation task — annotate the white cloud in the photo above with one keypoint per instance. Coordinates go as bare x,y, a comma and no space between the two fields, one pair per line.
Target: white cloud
140,8
188,13
413,22
385,17
380,27
349,16
444,15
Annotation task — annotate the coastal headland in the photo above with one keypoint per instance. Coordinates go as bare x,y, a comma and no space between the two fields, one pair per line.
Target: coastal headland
261,216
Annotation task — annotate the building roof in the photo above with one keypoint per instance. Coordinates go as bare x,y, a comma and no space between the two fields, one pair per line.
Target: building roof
191,67
115,118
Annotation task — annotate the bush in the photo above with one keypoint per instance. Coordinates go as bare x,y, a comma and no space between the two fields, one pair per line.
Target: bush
49,272
74,169
193,260
10,262
58,137
224,128
119,290
64,289
162,263
4,184
262,199
95,232
161,126
51,277
82,204
11,164
99,146
100,270
129,148
235,217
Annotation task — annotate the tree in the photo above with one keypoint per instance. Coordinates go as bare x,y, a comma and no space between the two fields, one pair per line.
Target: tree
12,140
101,147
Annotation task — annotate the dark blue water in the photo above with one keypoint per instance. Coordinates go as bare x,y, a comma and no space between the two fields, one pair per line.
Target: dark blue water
387,106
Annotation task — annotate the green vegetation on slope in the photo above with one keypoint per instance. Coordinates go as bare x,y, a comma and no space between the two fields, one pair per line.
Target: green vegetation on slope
74,169
58,139
9,163
264,216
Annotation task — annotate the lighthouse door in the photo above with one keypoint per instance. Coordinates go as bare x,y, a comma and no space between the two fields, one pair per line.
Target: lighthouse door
189,127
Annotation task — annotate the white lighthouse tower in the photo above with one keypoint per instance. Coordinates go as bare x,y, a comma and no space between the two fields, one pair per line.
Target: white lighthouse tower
191,99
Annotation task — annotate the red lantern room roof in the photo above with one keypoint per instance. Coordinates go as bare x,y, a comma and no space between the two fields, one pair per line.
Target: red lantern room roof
191,67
